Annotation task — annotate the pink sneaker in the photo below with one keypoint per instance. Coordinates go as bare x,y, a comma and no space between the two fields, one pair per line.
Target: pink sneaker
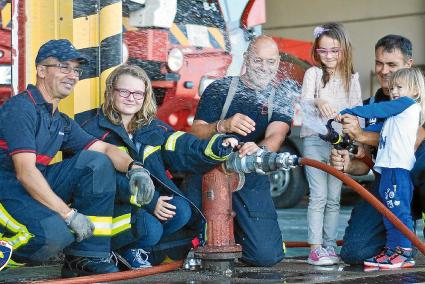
319,256
332,254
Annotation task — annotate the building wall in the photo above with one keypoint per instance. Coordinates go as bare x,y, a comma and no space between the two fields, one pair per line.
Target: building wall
365,20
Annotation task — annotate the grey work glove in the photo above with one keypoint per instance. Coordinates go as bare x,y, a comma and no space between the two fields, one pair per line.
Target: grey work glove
81,225
141,185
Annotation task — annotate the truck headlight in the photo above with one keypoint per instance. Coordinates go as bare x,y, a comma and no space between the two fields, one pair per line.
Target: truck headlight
5,75
175,59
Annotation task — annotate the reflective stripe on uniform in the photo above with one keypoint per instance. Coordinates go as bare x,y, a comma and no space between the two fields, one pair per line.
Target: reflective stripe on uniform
209,152
170,145
102,225
121,223
149,150
21,237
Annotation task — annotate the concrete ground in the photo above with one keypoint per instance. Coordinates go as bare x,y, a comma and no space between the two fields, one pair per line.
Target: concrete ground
293,270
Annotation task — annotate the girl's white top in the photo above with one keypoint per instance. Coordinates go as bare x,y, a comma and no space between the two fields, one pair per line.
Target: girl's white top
334,92
397,140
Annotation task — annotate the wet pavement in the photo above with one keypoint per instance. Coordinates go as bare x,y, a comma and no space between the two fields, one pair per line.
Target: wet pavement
293,269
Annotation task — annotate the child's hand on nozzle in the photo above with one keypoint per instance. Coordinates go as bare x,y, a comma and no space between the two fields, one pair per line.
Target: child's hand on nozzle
339,118
230,142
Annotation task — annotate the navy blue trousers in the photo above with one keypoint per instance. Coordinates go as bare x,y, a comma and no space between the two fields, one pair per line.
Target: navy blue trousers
87,182
396,192
147,230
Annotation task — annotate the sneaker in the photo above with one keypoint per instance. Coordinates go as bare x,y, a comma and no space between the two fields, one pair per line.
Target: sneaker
332,254
377,259
75,266
319,256
134,258
400,258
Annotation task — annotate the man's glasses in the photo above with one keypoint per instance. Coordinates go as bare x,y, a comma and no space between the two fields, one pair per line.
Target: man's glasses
331,51
66,69
124,93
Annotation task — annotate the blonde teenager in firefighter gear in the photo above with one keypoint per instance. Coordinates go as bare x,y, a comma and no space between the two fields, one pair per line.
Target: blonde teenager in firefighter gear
67,205
127,119
248,117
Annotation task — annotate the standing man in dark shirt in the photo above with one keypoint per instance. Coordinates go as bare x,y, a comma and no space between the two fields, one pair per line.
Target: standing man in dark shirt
365,235
67,205
255,109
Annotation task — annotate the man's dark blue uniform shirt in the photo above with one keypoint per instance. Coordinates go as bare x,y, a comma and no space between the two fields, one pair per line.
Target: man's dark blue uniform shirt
27,125
247,102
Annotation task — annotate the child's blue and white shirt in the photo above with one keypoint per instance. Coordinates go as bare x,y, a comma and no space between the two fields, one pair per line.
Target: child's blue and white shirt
398,134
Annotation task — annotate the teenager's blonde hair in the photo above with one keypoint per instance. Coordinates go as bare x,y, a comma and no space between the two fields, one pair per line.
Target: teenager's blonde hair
148,111
413,79
337,32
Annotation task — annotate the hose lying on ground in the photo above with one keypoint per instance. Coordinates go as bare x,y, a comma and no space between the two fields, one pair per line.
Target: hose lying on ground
124,275
369,197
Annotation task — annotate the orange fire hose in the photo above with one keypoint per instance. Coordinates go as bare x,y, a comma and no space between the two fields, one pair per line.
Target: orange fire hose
124,275
366,195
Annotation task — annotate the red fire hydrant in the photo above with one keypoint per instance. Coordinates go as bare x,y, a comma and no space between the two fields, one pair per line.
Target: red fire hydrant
220,250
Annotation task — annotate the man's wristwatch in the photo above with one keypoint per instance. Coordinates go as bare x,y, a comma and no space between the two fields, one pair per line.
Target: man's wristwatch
264,147
134,162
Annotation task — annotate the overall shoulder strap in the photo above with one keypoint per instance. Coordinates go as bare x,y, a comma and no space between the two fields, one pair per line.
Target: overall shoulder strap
230,95
270,100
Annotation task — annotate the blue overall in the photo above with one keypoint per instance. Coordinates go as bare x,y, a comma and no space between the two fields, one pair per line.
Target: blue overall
27,125
161,150
256,226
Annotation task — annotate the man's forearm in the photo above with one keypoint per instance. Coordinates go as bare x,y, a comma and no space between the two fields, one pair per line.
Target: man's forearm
273,142
203,130
275,135
121,160
368,138
357,168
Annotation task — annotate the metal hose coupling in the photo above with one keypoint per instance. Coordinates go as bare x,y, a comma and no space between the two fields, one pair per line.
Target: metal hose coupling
262,162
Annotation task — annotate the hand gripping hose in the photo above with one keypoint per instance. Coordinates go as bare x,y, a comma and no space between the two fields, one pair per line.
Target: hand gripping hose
369,197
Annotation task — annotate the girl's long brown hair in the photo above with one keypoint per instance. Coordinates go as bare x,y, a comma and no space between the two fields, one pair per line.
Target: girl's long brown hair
148,111
337,32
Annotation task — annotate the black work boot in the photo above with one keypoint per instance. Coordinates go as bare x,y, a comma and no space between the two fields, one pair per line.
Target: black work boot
75,266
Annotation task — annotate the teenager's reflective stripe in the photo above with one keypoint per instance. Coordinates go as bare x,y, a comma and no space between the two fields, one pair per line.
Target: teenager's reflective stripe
209,152
123,148
102,225
149,150
121,223
22,235
170,145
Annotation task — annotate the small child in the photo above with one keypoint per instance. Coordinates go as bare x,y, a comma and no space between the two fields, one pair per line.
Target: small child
328,88
403,113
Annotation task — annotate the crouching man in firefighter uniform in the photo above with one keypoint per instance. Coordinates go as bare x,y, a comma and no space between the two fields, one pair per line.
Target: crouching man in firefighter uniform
127,119
68,205
246,107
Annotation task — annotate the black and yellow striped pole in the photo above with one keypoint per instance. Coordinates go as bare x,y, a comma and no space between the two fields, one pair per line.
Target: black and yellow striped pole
6,14
111,25
97,33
